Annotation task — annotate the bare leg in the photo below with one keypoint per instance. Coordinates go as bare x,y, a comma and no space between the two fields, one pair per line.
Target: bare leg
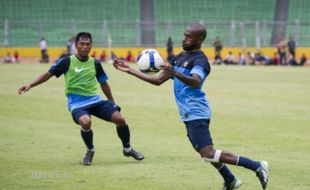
226,157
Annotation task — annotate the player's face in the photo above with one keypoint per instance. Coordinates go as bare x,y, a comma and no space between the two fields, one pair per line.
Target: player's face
190,40
83,46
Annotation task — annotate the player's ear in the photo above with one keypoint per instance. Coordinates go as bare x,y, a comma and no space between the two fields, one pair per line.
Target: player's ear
200,39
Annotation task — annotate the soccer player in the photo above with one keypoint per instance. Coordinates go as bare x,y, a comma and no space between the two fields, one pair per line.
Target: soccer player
81,74
189,70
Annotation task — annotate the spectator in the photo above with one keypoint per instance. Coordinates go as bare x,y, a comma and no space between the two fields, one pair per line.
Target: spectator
68,46
43,48
16,57
103,56
251,57
72,46
130,57
170,57
292,61
113,56
230,59
170,54
8,58
291,46
218,46
45,57
93,55
282,49
261,59
242,60
303,60
169,46
275,59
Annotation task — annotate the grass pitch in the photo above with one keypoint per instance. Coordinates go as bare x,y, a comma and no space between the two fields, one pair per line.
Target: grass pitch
258,112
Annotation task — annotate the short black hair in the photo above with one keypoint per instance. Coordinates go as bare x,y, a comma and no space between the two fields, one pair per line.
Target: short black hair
202,31
83,34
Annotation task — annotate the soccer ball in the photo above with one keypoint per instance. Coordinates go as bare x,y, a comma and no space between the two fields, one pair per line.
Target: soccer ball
149,60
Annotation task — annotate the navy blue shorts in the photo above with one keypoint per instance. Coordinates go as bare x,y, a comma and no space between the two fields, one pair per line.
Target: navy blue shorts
198,133
103,110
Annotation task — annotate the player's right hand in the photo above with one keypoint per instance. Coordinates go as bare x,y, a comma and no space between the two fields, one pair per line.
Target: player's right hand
168,70
121,65
23,89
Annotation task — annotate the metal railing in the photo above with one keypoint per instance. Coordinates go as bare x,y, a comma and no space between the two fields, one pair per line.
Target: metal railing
129,34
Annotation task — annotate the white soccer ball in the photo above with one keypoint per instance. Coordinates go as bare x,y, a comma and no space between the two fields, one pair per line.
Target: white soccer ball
149,60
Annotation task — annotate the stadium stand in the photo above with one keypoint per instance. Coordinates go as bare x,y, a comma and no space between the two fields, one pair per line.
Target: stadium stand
299,16
218,15
58,20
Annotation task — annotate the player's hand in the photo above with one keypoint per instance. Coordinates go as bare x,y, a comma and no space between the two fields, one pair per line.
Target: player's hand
168,69
121,65
23,89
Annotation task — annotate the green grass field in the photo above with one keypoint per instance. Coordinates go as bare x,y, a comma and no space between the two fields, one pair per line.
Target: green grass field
259,112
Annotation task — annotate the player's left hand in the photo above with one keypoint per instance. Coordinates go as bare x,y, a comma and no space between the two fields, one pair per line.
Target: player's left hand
23,89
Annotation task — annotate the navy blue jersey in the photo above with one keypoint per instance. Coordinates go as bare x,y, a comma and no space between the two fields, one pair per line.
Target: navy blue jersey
192,102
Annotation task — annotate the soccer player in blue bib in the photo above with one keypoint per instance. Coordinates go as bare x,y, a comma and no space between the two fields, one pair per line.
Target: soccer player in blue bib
189,70
82,73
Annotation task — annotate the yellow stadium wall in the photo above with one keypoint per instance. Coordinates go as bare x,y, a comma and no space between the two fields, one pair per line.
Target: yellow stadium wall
54,53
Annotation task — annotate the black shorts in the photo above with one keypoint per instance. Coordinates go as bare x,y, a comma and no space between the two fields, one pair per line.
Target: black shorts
198,133
103,110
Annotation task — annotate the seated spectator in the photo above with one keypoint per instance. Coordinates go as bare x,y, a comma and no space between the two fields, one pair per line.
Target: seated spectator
303,60
130,57
16,57
251,58
103,56
217,60
292,61
113,55
94,55
230,59
275,59
8,58
261,59
242,60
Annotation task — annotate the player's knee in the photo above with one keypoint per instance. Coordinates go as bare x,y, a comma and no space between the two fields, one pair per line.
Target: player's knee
120,122
207,151
208,154
212,156
85,122
118,119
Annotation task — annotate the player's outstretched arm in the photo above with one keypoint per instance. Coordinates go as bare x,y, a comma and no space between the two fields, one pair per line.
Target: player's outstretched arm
42,78
153,79
121,65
